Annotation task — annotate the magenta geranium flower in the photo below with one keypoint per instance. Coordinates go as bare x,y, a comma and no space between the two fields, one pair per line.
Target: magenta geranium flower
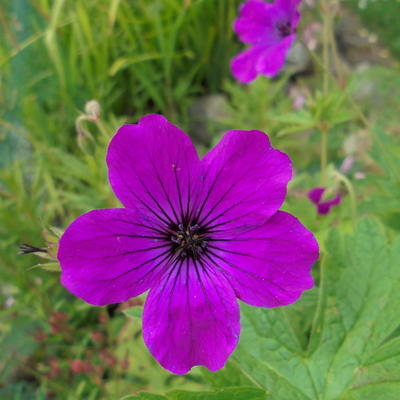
270,29
197,233
323,206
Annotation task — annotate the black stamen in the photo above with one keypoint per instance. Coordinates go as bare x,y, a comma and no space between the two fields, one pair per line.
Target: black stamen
188,240
25,248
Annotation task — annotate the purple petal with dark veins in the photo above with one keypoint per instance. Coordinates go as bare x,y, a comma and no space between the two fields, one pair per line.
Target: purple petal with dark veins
270,265
245,181
153,166
191,318
109,256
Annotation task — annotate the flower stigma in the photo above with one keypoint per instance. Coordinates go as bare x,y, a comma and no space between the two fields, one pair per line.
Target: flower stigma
189,241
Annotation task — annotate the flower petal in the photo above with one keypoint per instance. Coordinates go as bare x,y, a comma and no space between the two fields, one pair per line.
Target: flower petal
153,167
257,22
324,207
289,8
315,194
269,266
271,61
108,256
262,12
244,65
191,318
245,181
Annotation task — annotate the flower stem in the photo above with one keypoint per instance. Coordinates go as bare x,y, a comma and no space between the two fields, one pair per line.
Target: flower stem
324,154
350,190
325,44
335,55
326,76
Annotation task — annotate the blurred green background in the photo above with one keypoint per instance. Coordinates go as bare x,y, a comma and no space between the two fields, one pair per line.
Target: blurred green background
71,72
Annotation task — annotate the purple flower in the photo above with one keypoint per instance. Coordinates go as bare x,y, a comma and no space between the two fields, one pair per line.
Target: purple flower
323,207
270,29
197,233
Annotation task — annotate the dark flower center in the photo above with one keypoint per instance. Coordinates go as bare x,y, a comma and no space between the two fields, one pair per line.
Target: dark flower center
188,241
284,29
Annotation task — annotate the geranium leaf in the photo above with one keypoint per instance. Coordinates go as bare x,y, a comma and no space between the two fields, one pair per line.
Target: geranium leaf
234,393
353,348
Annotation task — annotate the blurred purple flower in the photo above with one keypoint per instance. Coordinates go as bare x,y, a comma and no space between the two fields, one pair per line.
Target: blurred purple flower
323,207
197,233
270,29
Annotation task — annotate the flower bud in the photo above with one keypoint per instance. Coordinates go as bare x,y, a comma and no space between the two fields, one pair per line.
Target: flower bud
92,109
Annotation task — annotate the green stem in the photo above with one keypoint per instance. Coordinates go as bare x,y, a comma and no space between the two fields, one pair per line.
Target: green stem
324,155
325,44
326,75
350,190
318,320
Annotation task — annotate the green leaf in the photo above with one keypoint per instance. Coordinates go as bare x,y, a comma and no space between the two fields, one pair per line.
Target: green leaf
144,396
353,348
17,344
122,63
51,267
234,393
12,145
134,312
229,376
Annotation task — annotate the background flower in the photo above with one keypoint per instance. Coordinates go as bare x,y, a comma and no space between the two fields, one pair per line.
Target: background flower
270,29
323,206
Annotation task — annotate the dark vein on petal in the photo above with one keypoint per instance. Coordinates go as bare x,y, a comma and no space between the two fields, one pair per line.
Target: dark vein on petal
249,272
137,267
136,196
142,226
217,290
230,251
179,193
228,275
264,257
211,228
174,284
168,259
216,204
164,190
188,216
151,210
238,203
264,239
191,347
209,191
209,303
127,252
156,202
140,236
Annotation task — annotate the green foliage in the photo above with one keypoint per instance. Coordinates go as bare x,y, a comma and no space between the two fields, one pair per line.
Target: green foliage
380,17
239,393
133,56
385,181
377,90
